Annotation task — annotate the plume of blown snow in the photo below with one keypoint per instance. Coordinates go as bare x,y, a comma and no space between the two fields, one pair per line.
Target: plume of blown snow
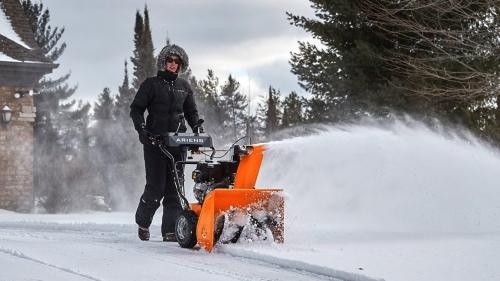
402,177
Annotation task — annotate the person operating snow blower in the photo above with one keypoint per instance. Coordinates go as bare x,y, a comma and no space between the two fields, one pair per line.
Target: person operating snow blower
167,98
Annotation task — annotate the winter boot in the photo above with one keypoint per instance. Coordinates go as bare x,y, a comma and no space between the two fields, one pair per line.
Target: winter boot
169,237
143,233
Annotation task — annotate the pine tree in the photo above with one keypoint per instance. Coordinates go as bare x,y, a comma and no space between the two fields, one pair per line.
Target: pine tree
292,111
233,105
319,110
46,38
139,73
143,58
124,99
65,185
105,149
209,89
52,128
149,58
424,58
272,112
207,94
104,107
344,75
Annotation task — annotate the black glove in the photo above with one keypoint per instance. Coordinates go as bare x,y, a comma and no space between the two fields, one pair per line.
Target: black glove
143,135
198,128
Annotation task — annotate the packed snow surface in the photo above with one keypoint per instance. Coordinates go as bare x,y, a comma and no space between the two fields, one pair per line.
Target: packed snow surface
400,202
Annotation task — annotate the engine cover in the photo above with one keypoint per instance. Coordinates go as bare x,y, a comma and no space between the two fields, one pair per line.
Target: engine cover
211,175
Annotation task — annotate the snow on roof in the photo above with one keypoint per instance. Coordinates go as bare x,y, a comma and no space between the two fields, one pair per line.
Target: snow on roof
4,57
7,30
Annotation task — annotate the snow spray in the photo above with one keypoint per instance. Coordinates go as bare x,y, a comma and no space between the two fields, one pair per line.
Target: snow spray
404,177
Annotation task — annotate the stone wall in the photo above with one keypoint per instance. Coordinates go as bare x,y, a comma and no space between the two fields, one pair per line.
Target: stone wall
16,152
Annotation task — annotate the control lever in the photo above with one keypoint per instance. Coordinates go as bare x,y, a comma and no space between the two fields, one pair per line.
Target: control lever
181,117
199,128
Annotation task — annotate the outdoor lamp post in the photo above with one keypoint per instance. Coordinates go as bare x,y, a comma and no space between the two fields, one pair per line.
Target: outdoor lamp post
6,114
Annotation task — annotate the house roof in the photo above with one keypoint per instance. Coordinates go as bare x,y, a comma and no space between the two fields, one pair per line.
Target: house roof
22,62
17,40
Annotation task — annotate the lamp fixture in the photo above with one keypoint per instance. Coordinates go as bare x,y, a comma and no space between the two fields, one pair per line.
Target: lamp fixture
6,114
20,94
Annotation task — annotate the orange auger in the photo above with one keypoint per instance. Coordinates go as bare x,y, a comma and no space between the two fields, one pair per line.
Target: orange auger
243,196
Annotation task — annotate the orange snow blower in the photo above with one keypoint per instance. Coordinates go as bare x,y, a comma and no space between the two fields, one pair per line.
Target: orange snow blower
228,204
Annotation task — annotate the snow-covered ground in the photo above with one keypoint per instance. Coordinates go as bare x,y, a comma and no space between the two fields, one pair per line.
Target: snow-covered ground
363,203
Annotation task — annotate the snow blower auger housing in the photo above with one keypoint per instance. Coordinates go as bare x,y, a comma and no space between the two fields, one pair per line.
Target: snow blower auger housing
226,193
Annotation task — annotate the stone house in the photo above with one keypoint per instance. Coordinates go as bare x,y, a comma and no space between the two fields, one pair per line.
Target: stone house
22,64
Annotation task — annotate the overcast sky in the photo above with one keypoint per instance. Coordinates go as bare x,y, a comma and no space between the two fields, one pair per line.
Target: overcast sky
250,39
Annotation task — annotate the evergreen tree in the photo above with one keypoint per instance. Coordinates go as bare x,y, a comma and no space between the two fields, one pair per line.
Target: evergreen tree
423,58
343,75
124,152
207,94
272,112
143,58
209,91
139,73
104,150
124,99
46,38
233,105
292,111
65,186
319,110
222,107
53,132
104,107
149,58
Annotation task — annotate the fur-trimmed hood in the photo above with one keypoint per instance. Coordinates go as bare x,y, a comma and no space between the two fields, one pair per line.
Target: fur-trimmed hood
170,50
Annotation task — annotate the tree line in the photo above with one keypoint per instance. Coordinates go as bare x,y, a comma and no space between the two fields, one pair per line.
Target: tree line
376,59
430,59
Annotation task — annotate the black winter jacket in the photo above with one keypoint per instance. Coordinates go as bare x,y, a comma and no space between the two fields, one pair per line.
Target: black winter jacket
164,100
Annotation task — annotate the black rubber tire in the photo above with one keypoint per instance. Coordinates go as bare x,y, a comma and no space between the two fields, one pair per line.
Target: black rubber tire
185,229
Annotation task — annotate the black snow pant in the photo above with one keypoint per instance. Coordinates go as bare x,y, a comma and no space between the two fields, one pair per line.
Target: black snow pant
160,184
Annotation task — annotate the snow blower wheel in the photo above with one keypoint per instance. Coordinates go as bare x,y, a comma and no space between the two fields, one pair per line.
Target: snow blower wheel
185,229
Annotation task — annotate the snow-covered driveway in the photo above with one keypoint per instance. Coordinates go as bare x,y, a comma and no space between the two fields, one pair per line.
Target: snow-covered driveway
36,248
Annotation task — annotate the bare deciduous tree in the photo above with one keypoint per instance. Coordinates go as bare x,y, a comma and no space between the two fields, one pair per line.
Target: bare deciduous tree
443,49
